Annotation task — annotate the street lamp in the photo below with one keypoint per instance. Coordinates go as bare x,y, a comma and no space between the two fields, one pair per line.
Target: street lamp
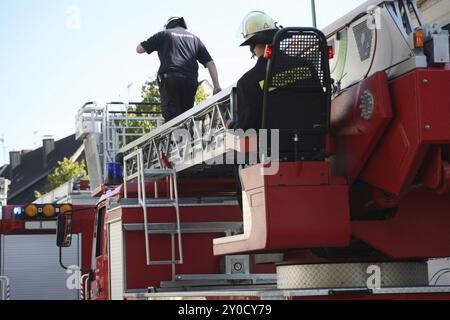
129,87
2,141
313,9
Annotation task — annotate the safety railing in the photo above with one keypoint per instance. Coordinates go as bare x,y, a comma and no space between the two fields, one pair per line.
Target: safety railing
105,130
84,290
121,127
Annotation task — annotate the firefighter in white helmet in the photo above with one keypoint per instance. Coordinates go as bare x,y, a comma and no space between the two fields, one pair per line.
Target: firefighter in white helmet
258,30
178,51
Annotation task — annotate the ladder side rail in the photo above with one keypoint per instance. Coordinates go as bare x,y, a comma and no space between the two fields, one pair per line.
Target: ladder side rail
417,12
142,200
104,142
407,19
129,175
177,209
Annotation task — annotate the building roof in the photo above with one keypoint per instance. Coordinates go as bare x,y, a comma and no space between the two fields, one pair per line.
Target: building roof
31,174
3,170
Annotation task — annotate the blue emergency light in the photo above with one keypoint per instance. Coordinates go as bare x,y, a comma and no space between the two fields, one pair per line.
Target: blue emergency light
18,211
114,174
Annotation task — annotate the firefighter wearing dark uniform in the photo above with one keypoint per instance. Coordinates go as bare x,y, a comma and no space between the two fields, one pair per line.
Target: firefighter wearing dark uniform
258,30
179,51
250,97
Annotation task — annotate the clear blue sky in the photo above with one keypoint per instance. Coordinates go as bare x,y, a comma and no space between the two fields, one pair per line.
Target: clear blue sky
50,65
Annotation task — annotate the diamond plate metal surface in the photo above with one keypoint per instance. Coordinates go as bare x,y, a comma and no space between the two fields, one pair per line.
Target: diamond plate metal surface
351,275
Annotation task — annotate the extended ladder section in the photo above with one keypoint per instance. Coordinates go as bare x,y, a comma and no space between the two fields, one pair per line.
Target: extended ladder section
197,137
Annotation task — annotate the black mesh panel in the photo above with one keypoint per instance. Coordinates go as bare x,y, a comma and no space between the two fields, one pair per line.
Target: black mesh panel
299,62
297,93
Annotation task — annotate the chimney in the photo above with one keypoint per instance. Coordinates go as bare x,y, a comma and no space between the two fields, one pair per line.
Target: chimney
47,149
15,158
24,152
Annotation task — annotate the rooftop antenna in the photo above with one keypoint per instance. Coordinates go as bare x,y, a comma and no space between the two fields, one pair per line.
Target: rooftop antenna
314,17
2,141
35,142
129,87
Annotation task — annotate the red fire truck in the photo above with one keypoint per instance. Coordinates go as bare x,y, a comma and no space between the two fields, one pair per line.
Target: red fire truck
29,262
358,202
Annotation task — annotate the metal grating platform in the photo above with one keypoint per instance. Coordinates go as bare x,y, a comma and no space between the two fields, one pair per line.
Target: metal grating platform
351,275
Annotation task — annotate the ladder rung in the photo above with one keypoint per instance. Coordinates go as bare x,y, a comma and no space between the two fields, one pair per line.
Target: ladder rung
158,173
161,202
160,263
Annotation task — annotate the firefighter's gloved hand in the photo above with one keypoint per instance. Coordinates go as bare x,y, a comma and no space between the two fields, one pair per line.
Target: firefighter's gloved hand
217,90
230,124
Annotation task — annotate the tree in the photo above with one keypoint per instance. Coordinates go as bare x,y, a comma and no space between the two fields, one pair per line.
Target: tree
150,93
64,172
201,95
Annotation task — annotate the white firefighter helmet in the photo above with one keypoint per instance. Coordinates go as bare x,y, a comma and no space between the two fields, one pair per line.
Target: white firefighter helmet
258,28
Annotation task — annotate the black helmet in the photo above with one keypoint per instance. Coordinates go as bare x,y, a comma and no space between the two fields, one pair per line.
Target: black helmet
174,22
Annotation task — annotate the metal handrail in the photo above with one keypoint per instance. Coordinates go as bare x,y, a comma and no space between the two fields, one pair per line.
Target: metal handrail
105,129
5,292
84,294
115,134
